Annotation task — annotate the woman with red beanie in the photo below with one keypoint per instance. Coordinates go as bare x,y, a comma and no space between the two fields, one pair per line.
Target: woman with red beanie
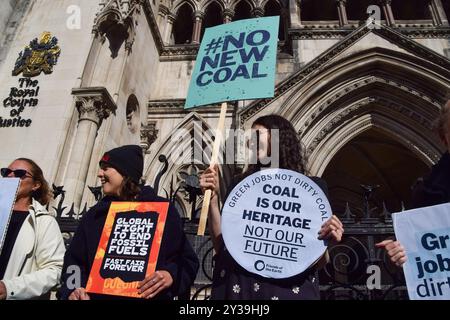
120,174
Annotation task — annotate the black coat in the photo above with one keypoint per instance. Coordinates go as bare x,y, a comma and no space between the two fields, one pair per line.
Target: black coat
175,256
434,188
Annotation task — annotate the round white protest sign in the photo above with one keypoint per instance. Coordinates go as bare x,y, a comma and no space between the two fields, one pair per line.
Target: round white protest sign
271,220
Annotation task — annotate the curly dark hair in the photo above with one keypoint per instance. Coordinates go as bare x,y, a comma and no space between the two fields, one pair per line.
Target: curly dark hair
290,149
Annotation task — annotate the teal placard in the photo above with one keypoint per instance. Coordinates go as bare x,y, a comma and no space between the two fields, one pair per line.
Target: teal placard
236,61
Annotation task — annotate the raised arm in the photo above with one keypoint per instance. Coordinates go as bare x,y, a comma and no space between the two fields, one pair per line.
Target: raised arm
210,180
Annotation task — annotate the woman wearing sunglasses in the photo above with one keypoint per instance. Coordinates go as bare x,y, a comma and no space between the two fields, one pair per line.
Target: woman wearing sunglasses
32,255
120,174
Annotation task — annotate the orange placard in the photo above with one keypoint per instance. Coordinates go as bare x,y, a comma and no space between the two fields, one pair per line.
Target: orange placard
129,247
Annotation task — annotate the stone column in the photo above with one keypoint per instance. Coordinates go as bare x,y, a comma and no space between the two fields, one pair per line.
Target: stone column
285,22
196,32
258,12
94,105
387,9
168,32
161,19
227,15
294,12
163,11
342,12
439,16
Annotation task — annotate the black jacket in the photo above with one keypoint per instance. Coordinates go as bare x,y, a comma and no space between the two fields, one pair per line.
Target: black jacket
433,189
175,256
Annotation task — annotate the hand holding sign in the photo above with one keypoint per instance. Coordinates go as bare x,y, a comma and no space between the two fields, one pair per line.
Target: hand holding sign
128,251
271,221
209,180
332,230
425,235
79,294
394,250
235,61
154,284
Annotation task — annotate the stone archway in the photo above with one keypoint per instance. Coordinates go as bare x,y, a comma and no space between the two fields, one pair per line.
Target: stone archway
374,91
373,158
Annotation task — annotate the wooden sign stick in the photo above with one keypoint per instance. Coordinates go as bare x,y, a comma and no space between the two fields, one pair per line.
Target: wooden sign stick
214,156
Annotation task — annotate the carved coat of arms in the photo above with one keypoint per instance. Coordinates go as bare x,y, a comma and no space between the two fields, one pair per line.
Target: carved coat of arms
40,56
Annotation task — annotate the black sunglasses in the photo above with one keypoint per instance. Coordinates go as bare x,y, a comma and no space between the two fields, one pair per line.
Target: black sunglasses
18,173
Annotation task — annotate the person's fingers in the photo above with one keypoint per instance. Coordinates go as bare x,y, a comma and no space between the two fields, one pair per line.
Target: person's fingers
333,220
393,245
389,245
208,170
156,283
208,179
208,182
402,261
324,233
151,292
327,229
336,225
398,257
146,283
84,295
78,294
331,233
161,288
383,243
75,295
150,281
335,236
336,221
395,250
208,185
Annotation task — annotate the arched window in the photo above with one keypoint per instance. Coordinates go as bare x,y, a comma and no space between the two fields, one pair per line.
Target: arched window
446,5
242,11
272,8
183,25
313,10
213,17
411,10
357,9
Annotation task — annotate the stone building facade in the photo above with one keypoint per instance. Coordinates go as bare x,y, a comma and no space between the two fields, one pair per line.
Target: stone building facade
362,96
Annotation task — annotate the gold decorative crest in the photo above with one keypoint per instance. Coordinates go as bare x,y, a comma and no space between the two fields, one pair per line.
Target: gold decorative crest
40,56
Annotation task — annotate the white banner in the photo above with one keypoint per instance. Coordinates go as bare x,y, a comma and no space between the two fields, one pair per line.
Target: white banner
425,235
8,190
271,220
